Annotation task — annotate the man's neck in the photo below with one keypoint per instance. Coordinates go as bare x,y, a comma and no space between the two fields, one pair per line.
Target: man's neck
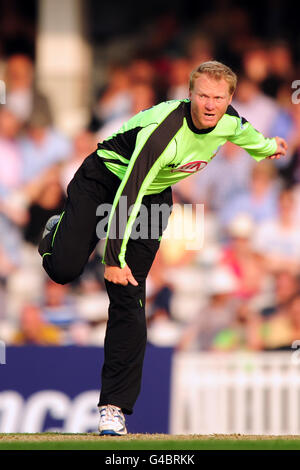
191,123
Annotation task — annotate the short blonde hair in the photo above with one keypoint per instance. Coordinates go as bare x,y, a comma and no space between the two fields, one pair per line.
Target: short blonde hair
215,70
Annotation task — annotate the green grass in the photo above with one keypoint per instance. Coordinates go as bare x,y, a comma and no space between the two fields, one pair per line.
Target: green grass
147,442
141,445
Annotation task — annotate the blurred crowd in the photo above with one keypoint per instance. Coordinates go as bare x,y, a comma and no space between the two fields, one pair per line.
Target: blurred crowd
241,289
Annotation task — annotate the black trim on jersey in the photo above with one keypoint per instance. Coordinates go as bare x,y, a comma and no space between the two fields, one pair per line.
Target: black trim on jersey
149,154
189,120
122,143
233,112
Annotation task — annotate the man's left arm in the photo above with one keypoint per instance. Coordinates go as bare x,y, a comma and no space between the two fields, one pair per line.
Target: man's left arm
255,143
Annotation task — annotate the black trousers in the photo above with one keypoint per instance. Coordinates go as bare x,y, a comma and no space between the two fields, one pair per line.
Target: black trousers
64,260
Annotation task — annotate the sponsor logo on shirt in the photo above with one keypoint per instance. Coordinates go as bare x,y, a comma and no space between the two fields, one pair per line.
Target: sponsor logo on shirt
191,167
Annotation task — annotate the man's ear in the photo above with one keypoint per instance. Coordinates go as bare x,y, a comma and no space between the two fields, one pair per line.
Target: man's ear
190,93
230,99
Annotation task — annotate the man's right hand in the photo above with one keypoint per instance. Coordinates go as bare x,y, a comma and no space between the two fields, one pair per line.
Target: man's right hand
119,275
281,149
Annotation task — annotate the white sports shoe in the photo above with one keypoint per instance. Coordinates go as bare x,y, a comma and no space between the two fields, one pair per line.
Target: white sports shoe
50,224
112,421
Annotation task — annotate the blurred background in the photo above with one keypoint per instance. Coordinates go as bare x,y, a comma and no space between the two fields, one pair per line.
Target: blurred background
74,71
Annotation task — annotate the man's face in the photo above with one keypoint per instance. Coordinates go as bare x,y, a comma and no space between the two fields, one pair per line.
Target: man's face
209,101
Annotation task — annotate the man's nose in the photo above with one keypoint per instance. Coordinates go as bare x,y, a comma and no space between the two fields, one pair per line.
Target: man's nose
209,104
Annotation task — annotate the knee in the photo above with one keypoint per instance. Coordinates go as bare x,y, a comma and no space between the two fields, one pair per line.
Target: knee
59,279
59,274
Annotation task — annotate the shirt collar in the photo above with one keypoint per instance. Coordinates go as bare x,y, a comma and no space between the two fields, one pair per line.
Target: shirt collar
190,123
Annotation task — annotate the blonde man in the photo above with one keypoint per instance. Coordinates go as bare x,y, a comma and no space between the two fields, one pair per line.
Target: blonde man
152,151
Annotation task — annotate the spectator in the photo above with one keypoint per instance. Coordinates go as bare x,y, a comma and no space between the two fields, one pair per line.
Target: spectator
84,143
13,211
60,309
212,188
285,287
199,48
256,64
280,67
163,331
178,79
23,98
239,257
114,101
42,146
259,201
34,330
278,331
47,198
278,239
59,306
141,71
258,108
292,172
217,315
242,334
141,96
10,158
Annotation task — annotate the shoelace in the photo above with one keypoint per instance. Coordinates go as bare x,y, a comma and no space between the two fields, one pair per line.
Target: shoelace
111,412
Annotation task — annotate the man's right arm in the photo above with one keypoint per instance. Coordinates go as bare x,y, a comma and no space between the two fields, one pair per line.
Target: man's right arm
253,141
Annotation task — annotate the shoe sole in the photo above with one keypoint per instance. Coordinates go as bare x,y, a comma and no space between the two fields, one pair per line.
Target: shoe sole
108,432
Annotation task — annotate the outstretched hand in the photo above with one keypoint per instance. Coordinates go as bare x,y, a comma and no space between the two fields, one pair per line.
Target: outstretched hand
281,149
119,275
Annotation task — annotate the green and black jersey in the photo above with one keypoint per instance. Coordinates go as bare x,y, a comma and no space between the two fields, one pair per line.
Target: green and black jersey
160,146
